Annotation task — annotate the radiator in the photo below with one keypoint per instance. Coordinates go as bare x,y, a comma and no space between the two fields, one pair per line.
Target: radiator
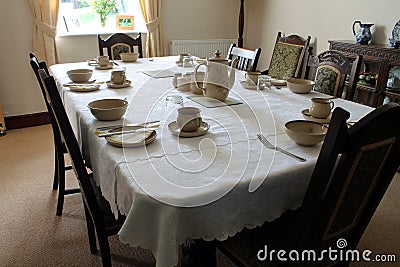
201,48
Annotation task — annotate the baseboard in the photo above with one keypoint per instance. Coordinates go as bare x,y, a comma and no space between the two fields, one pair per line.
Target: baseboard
27,120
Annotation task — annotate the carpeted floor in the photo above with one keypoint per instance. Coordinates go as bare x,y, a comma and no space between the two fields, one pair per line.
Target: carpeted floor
32,235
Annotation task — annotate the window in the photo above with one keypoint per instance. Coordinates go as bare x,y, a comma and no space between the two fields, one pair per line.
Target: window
81,16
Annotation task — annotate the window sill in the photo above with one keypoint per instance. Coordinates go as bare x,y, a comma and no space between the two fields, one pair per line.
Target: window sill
89,33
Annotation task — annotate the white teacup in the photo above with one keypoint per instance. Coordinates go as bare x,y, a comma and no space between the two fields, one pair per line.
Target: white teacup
189,119
321,107
181,56
103,61
118,77
252,77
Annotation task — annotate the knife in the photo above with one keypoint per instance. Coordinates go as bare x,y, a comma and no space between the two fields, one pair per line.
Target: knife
140,130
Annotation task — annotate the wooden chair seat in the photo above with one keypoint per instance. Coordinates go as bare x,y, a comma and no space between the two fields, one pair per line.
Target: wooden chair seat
100,220
289,57
118,43
247,59
60,166
353,171
331,70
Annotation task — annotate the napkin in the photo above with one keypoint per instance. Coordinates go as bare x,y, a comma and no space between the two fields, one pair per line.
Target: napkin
213,103
159,73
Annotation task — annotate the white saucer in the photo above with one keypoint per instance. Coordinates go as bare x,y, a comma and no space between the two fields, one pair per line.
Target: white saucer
109,66
118,86
307,116
84,88
131,140
246,85
203,129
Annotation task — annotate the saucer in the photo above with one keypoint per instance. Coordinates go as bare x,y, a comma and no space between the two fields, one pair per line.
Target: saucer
179,63
131,140
109,66
246,85
203,129
307,116
84,88
118,86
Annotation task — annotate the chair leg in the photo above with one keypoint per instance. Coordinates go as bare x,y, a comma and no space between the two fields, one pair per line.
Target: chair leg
104,249
91,232
61,183
56,169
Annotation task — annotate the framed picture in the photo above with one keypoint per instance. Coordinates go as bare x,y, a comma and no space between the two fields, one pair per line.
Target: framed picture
124,22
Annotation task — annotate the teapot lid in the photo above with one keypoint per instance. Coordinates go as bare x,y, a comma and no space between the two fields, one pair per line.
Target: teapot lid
217,57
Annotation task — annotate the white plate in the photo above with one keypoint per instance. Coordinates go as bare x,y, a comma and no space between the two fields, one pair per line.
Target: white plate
246,85
109,66
173,127
84,88
118,86
307,116
131,140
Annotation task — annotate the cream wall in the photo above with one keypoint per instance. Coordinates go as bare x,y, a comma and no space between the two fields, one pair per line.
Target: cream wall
189,19
19,92
322,20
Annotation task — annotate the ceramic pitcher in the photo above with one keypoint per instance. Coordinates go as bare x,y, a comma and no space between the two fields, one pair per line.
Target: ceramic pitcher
363,35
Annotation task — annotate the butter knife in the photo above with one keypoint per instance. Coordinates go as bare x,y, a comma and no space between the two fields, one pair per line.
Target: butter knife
140,130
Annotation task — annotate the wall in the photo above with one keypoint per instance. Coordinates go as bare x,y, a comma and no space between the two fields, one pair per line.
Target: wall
321,20
190,19
19,92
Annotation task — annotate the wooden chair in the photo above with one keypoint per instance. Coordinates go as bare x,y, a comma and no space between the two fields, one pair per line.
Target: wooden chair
331,70
289,58
99,218
60,150
354,168
119,43
247,59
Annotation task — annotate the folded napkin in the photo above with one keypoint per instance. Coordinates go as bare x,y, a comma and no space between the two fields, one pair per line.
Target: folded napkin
213,103
159,73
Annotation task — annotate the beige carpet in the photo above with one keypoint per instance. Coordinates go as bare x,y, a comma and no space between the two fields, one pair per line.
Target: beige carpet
31,234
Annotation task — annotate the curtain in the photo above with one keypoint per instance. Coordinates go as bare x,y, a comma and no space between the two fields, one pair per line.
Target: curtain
45,15
151,10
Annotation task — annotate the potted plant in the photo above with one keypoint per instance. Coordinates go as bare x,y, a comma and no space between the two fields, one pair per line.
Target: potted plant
104,8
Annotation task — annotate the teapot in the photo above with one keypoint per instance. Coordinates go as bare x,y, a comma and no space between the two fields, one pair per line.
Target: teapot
219,77
363,35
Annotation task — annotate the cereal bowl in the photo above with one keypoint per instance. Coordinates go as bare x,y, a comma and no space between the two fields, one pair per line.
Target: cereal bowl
129,57
80,75
300,86
108,109
305,133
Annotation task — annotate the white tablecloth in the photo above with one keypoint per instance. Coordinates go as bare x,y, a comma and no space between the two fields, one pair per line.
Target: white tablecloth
209,187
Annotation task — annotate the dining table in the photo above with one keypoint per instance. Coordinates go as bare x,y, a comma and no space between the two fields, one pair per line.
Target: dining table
177,189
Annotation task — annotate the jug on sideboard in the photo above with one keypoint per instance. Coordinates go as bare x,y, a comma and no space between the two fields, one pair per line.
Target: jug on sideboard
363,35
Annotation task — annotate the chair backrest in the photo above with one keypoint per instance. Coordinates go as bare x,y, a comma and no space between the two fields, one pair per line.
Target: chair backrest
36,65
247,59
119,43
289,57
331,70
54,101
353,170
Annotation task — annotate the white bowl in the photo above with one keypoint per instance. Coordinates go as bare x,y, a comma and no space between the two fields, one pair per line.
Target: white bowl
305,133
129,57
80,75
300,86
108,109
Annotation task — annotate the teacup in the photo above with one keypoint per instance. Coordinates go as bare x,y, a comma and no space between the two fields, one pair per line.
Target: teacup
252,77
118,77
189,119
187,62
103,61
181,56
321,107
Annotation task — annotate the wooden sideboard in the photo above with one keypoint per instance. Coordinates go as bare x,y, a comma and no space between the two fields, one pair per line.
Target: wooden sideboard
378,59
